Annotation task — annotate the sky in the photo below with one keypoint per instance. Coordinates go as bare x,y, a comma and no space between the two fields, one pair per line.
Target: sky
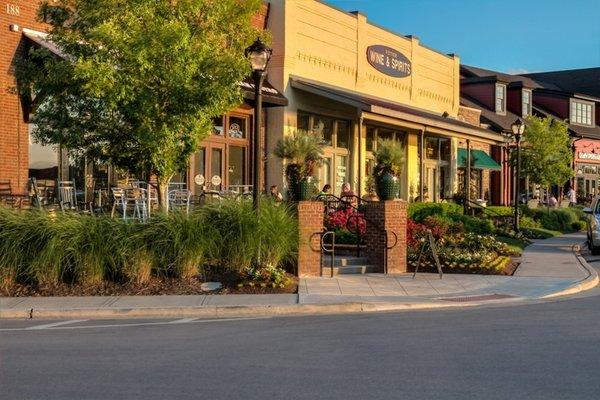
513,36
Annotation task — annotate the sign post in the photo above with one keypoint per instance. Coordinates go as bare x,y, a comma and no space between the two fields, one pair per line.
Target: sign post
430,241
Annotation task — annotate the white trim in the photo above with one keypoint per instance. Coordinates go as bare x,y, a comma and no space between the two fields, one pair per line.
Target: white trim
589,103
504,91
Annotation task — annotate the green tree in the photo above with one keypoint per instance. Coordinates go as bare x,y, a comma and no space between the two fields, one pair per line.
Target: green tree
140,80
546,155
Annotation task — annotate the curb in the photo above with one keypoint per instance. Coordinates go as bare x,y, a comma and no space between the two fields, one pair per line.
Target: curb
231,311
586,283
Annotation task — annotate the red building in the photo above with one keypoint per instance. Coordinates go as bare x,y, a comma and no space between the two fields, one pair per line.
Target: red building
566,95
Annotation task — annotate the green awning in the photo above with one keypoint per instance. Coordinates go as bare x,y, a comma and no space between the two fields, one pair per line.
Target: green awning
479,160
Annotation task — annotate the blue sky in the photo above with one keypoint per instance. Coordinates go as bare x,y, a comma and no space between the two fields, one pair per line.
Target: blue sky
514,36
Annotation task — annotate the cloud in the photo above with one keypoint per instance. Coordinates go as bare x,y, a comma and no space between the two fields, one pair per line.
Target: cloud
517,71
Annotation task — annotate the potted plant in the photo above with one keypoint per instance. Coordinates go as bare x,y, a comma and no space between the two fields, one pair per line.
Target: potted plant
303,152
390,159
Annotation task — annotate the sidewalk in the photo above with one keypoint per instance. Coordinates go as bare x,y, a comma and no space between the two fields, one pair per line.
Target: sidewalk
549,268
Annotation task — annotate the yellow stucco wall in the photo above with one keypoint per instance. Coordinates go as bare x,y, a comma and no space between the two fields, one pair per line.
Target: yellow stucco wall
319,42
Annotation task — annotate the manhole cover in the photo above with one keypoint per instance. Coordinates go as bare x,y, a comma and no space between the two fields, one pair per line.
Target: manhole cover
478,298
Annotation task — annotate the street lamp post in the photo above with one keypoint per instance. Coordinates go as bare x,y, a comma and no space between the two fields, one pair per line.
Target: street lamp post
259,55
517,127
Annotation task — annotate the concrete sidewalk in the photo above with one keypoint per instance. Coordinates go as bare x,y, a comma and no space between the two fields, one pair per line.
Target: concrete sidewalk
549,268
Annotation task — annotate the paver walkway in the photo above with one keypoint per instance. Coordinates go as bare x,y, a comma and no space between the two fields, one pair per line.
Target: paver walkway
546,266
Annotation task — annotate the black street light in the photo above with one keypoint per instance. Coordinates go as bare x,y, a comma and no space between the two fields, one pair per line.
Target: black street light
517,127
259,55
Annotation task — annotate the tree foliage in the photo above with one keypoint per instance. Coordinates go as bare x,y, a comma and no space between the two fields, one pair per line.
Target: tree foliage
546,155
140,80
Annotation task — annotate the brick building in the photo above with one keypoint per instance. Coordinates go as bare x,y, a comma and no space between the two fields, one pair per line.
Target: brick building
15,16
565,95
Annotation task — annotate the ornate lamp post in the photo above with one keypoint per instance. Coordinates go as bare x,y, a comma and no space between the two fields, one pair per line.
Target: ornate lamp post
259,55
517,127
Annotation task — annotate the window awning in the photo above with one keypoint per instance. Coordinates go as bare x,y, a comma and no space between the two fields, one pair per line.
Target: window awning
271,96
479,160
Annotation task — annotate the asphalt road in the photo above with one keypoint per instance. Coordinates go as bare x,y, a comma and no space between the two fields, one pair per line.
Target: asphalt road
541,351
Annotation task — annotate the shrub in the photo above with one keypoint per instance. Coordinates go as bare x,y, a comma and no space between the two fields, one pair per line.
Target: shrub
476,225
528,222
578,225
558,219
419,211
501,210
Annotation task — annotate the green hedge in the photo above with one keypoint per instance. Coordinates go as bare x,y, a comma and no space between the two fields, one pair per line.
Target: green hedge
419,211
41,248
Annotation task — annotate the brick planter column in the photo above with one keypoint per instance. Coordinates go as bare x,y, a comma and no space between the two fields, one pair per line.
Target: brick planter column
390,216
310,220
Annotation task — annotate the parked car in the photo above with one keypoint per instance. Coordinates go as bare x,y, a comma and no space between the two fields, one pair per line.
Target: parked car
593,230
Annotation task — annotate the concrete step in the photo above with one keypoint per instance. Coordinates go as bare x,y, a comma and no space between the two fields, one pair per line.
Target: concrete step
343,260
350,269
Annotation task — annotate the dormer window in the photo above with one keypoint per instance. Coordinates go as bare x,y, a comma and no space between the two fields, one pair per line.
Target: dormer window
582,112
500,98
526,103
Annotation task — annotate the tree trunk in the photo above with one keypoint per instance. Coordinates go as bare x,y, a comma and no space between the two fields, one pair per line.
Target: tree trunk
163,193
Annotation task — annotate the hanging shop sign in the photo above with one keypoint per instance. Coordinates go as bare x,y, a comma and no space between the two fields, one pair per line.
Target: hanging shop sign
589,156
388,61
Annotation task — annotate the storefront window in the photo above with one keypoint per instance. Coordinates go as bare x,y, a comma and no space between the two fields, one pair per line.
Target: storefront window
385,134
218,126
343,134
303,121
199,165
370,138
324,127
432,148
237,164
237,127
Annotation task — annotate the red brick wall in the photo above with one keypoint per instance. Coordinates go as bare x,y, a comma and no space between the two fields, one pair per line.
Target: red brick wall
14,138
469,115
310,221
390,216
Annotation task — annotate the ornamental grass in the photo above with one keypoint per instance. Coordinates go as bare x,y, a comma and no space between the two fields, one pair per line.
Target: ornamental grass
40,248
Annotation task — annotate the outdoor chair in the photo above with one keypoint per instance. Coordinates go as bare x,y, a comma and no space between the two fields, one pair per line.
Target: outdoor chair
176,186
119,201
6,194
67,195
137,199
180,200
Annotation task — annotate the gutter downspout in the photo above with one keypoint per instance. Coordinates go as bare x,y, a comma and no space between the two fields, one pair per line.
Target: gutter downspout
421,163
360,155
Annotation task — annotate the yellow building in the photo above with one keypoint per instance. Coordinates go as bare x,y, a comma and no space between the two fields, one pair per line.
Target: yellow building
359,82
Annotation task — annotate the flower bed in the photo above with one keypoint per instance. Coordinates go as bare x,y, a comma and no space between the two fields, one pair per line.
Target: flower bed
346,223
458,251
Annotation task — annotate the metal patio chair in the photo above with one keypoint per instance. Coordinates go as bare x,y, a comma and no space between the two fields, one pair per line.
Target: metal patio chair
180,200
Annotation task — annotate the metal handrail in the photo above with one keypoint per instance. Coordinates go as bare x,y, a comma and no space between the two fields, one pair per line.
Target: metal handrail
357,214
324,249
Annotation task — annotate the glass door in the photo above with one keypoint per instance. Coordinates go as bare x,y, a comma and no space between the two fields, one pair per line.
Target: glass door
236,168
431,183
217,167
341,173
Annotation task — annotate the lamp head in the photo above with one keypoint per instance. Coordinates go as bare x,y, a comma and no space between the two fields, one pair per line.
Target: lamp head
518,127
259,55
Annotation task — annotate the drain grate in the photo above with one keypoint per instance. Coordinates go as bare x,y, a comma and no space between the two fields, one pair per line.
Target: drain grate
478,298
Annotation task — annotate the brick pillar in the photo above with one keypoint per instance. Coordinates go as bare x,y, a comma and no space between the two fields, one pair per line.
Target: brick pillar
389,216
310,220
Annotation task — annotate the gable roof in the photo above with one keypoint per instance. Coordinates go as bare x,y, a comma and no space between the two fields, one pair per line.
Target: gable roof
585,81
470,74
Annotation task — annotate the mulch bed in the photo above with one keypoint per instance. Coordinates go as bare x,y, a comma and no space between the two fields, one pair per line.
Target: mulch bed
156,286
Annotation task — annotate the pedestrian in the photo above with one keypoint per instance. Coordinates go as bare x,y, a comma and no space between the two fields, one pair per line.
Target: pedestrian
347,195
325,192
552,202
572,196
276,194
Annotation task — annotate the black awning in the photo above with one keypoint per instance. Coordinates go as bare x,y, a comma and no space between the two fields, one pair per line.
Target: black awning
271,96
